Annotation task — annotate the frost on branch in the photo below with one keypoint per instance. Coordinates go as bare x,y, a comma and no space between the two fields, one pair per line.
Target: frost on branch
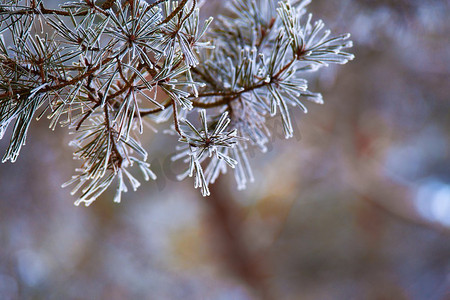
212,145
105,69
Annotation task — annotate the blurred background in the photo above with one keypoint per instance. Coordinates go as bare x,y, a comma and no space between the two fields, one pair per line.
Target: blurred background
357,206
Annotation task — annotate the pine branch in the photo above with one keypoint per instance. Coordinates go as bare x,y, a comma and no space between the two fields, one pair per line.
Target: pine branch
102,70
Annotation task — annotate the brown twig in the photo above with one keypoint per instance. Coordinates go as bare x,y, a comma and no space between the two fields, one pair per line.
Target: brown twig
175,119
175,12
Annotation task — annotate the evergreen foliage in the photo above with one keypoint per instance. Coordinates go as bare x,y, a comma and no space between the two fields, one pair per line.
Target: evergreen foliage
101,68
